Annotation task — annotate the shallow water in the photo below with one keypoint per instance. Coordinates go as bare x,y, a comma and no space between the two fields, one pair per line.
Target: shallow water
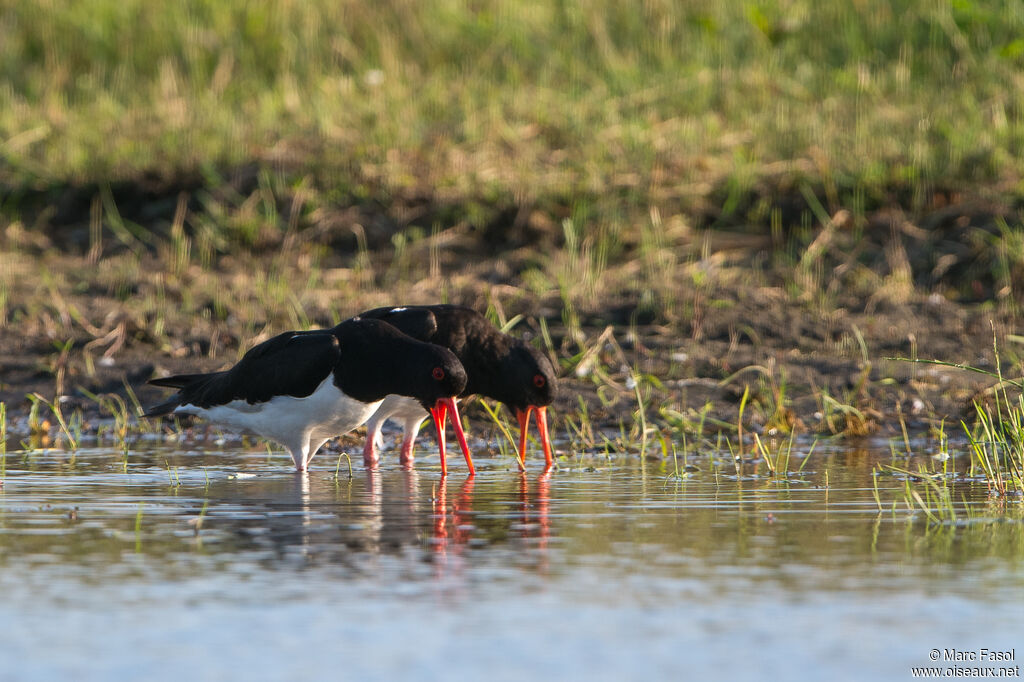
223,565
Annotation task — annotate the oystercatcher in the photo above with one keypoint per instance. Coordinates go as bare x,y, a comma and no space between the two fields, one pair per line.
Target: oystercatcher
301,388
497,365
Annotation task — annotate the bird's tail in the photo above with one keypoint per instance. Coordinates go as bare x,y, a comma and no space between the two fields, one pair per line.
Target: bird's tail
178,380
162,409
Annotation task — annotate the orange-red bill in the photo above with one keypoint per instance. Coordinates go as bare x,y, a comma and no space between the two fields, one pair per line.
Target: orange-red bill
524,427
460,434
542,431
440,414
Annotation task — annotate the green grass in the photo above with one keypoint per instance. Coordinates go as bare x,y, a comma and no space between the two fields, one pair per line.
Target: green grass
997,444
995,436
600,107
234,169
357,143
995,453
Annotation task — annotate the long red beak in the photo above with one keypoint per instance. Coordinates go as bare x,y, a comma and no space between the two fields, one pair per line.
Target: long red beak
542,430
440,414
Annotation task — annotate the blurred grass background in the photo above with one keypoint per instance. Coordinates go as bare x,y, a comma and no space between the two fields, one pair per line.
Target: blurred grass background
568,152
193,176
628,104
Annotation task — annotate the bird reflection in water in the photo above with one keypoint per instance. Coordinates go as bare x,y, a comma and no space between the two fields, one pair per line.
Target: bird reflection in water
455,525
314,520
452,528
535,512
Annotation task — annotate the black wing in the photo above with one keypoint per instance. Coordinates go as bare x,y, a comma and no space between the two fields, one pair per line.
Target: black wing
415,321
293,364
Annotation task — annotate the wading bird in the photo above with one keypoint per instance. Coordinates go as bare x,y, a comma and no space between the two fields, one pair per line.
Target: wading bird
498,366
299,389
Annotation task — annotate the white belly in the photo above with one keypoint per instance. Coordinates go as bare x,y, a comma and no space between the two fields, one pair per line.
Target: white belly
401,409
325,413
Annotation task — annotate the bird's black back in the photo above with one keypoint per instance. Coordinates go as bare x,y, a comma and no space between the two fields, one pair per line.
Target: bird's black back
498,365
369,360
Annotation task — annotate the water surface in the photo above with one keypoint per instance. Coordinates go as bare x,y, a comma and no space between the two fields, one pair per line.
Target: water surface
224,565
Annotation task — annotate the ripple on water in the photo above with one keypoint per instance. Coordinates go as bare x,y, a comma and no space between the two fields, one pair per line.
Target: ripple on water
603,573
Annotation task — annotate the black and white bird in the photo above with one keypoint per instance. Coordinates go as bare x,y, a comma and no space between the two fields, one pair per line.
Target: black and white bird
300,389
498,366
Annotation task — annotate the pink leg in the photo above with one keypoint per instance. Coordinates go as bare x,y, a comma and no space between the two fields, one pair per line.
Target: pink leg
407,456
370,454
412,428
298,452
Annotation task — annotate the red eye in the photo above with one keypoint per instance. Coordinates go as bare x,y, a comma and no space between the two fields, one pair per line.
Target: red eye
539,380
438,373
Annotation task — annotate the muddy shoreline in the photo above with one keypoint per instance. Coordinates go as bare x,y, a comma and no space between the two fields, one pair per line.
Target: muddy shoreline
805,322
786,359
